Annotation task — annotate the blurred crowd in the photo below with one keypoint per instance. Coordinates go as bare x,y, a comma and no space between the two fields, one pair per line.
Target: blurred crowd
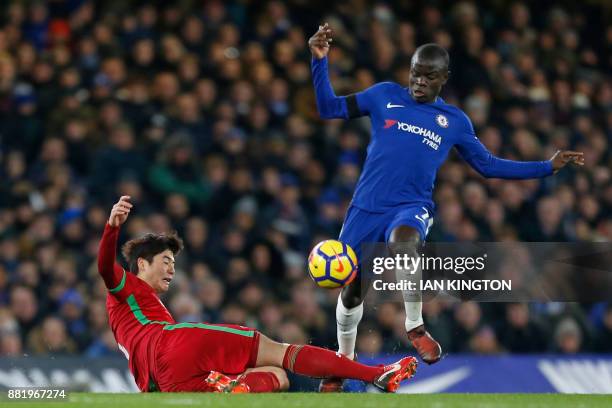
203,112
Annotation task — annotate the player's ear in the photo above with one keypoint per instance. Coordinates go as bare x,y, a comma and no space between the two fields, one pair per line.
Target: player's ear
445,77
142,264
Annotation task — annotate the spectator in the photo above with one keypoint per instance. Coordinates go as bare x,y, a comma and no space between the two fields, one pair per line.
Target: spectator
603,341
25,309
369,342
568,337
51,338
520,332
114,162
485,342
467,324
177,171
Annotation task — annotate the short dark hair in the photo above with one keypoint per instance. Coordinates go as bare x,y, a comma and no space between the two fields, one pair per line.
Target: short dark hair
433,52
148,246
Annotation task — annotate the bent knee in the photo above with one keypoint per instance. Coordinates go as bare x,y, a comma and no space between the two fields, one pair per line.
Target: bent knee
406,235
408,246
351,296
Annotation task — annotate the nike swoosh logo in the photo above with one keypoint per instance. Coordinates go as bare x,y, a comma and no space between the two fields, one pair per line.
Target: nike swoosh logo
390,105
340,267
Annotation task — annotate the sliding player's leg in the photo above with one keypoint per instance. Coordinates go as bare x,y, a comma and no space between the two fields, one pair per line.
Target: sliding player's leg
406,234
265,379
318,362
253,380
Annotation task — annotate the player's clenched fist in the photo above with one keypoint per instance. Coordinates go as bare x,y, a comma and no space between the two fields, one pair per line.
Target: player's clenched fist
319,42
120,211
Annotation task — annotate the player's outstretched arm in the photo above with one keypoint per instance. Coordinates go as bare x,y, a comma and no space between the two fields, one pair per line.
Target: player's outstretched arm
111,272
329,105
490,166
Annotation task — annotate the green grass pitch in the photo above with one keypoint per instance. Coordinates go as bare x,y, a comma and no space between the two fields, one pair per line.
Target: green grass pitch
306,400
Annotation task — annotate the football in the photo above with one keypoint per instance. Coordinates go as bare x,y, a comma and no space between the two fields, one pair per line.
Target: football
332,264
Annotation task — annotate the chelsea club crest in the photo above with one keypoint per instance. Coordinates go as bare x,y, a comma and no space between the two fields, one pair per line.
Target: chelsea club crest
442,121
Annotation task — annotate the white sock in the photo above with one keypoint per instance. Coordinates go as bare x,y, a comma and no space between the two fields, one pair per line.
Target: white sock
414,314
413,302
347,321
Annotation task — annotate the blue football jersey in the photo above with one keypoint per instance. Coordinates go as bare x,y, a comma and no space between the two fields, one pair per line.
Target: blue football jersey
409,143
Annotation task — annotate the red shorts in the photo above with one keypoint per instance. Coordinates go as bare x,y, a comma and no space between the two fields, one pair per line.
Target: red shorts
188,352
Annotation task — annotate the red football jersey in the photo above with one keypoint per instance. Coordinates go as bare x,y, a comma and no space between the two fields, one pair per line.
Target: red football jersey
136,314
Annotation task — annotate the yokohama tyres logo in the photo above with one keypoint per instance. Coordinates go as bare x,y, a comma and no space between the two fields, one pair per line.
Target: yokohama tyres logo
430,138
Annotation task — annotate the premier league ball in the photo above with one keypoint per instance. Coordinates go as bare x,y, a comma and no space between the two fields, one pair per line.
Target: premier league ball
332,264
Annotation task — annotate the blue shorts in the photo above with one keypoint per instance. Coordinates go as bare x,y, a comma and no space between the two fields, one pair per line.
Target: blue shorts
361,226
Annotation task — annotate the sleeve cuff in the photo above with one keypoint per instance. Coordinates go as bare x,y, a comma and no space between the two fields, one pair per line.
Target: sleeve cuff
317,61
549,167
120,285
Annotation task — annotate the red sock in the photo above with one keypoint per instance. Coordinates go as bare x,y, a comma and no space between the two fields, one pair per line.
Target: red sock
322,363
261,381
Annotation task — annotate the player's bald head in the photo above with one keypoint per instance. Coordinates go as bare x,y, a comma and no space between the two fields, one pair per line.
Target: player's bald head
431,55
